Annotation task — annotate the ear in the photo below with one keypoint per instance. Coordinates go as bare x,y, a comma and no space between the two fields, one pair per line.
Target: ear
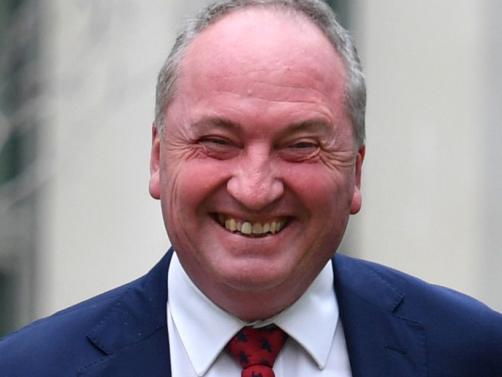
356,196
154,186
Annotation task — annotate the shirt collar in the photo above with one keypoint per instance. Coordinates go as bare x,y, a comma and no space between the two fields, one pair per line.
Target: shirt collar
311,320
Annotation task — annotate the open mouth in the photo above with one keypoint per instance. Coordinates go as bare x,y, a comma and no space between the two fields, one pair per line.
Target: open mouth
251,228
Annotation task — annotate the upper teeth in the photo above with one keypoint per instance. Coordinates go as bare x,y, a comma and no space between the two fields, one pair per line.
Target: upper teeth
248,227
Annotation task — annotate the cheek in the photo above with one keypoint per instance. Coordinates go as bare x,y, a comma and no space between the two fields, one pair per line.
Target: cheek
327,197
320,189
190,184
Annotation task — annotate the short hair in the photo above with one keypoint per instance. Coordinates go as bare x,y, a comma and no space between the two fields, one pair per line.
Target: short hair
317,11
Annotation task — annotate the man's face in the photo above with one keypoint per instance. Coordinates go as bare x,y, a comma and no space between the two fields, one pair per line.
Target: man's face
257,170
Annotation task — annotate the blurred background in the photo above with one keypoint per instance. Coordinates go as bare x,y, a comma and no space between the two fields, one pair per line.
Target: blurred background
77,83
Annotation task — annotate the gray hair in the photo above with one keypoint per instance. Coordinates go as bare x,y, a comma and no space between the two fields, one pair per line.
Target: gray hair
315,10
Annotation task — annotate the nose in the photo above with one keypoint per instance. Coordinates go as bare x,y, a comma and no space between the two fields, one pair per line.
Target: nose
254,183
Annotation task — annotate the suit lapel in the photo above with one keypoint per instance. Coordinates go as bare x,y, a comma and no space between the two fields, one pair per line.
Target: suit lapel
380,341
132,335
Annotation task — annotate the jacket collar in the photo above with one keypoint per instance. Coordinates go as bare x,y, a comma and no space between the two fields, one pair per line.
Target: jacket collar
381,341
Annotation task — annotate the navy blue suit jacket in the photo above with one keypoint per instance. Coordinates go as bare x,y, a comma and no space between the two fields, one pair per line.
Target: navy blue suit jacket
395,326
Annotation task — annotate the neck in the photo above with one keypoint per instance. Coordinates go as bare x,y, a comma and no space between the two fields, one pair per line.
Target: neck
249,306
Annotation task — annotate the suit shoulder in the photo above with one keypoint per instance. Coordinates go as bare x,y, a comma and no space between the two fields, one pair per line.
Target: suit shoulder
456,324
72,315
425,293
461,335
61,335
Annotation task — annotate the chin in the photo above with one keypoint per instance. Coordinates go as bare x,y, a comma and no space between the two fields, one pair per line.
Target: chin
247,279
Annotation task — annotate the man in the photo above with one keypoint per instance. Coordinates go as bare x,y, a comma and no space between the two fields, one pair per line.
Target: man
256,158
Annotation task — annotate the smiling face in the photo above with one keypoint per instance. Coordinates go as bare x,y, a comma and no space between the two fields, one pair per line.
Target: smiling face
257,170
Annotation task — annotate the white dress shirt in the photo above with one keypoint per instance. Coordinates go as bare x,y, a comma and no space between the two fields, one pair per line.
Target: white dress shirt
199,331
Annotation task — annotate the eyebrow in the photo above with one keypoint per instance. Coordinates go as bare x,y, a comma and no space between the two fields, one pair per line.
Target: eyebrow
310,125
211,122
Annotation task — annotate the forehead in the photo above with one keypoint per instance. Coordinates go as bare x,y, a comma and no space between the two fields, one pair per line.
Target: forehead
268,47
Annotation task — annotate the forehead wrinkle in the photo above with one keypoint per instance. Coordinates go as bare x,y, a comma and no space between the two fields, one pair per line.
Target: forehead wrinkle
278,96
279,100
261,78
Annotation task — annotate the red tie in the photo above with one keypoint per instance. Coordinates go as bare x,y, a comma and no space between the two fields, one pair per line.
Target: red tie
256,349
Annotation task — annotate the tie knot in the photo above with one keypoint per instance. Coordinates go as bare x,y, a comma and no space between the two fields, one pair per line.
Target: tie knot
256,349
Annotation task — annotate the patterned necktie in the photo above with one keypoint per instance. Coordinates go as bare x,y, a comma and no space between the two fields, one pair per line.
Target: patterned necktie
256,349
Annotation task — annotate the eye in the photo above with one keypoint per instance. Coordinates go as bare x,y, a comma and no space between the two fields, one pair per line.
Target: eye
303,145
218,147
218,141
300,150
